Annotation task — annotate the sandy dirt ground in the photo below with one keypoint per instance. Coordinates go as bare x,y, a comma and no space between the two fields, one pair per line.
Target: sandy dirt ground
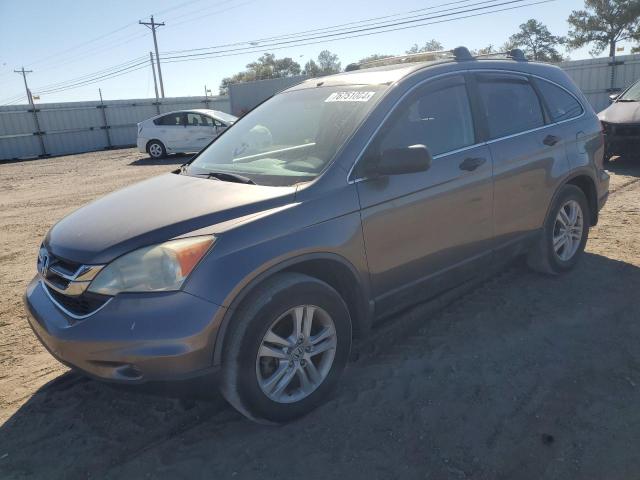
523,376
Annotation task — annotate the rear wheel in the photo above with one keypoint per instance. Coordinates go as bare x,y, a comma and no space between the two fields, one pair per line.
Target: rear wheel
156,149
564,235
287,346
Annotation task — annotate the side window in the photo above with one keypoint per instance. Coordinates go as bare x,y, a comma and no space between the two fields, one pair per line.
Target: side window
197,120
510,104
561,105
438,116
207,121
173,119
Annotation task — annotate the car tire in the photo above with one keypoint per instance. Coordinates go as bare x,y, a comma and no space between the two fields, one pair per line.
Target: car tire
156,149
558,247
252,381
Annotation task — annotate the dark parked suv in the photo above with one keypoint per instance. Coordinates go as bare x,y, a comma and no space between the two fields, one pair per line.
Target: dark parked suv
335,203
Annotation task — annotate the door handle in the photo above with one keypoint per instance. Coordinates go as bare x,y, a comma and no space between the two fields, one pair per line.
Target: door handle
550,140
470,164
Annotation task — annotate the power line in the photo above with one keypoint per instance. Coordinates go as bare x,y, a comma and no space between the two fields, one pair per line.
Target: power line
334,27
133,65
363,34
117,73
91,75
52,57
353,33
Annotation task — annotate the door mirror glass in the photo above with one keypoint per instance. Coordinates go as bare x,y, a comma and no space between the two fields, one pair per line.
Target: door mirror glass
399,161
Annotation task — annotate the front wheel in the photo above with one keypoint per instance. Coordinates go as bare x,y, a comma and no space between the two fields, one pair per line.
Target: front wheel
564,234
287,346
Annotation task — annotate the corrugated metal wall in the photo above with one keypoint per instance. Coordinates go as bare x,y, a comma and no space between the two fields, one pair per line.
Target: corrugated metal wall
594,77
245,96
80,126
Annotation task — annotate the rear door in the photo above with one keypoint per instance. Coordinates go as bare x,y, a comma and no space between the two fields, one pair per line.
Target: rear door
419,227
562,107
171,131
528,150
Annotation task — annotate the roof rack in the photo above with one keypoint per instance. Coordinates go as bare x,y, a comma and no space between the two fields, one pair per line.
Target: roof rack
459,54
514,54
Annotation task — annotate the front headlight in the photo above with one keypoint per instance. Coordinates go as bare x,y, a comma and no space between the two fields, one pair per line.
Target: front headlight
157,268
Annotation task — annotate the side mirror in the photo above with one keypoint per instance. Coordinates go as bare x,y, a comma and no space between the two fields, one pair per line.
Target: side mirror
398,161
613,97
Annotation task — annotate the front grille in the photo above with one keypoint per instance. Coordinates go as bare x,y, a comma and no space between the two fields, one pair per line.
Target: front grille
82,305
66,283
625,130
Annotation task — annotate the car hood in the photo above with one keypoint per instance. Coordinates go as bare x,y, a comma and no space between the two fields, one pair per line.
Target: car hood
154,211
621,112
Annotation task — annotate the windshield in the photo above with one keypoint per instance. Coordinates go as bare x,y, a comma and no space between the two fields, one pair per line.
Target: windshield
631,95
290,138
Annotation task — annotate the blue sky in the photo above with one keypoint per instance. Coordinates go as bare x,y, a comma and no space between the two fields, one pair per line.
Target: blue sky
63,39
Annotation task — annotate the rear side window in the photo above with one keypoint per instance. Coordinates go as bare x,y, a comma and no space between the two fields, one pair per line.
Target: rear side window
171,119
511,105
561,104
438,116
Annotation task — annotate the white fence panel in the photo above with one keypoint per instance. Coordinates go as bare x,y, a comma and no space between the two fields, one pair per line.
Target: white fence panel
77,127
594,77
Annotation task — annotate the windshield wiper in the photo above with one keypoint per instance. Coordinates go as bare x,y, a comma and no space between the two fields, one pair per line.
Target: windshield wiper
627,100
227,177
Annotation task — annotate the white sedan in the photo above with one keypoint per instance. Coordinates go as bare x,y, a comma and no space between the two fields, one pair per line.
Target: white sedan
183,131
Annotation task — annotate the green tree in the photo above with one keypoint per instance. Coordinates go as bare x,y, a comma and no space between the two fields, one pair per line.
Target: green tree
311,69
327,64
537,42
604,23
430,46
267,66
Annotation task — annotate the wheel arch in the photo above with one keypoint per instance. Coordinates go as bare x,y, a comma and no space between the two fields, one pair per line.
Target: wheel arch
588,186
330,268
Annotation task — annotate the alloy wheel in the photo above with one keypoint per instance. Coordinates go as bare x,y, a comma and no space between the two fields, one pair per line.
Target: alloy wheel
155,150
296,354
568,230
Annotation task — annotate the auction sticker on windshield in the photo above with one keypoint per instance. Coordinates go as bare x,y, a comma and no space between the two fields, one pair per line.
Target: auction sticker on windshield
350,97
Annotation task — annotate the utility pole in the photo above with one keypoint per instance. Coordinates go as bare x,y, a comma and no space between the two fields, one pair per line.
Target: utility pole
153,26
153,69
43,150
105,123
26,87
206,96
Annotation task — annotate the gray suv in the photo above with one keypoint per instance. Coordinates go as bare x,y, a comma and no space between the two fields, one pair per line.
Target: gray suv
332,205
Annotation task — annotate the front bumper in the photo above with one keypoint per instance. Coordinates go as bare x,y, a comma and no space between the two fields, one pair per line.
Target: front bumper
621,138
135,338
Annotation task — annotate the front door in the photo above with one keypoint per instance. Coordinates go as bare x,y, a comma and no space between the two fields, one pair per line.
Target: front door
200,131
426,231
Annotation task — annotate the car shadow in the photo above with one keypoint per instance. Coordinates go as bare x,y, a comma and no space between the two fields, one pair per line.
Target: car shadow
628,164
170,160
498,384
